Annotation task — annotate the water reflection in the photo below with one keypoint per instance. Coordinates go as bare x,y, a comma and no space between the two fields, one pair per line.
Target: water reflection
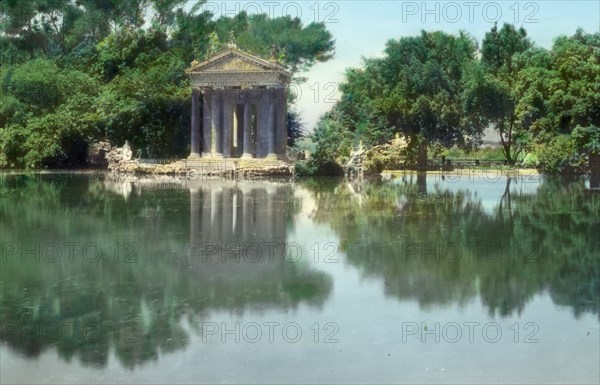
175,252
441,241
169,251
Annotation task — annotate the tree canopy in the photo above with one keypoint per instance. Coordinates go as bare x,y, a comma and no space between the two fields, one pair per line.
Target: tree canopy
441,90
77,71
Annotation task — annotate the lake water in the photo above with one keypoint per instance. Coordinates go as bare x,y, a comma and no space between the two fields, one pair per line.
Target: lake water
462,279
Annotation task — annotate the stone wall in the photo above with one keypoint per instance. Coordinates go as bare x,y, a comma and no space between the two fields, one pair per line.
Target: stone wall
120,160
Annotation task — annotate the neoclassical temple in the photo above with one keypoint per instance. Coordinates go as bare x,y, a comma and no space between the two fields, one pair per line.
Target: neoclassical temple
243,114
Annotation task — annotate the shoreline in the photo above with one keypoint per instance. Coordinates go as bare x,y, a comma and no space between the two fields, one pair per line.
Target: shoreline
227,175
472,171
465,171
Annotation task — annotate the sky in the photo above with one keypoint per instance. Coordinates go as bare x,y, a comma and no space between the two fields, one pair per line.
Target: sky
361,29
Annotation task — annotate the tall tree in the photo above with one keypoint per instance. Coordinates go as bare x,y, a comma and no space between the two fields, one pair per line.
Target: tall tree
415,89
300,46
498,51
295,126
566,135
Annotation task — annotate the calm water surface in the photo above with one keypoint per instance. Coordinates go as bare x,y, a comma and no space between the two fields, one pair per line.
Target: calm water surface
466,279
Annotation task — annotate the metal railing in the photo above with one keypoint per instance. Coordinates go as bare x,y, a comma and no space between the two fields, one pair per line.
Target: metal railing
466,163
157,160
452,164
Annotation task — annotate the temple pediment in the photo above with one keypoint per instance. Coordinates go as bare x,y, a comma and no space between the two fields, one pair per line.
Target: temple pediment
234,60
235,68
234,63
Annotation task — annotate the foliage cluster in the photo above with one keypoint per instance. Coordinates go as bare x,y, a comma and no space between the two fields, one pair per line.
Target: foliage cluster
78,71
441,91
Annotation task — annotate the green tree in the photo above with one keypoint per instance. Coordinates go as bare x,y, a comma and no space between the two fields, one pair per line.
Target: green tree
165,11
415,89
569,105
60,55
47,116
302,46
498,53
295,127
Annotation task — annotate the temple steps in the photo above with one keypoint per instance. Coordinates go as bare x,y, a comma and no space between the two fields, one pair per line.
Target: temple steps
237,166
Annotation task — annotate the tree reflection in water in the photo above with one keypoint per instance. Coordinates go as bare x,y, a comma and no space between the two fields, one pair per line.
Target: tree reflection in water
437,244
172,233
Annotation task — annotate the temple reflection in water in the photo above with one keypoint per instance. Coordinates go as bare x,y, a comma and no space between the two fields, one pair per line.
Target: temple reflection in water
241,221
180,229
238,233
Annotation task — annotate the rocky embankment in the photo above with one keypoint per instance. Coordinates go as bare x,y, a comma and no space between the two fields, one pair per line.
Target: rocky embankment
120,161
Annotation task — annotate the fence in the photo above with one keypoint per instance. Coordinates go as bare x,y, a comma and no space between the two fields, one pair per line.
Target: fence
466,163
452,164
157,160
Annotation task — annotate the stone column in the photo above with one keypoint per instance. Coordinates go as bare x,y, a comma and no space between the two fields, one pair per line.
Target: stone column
239,112
213,123
281,145
227,124
262,126
247,126
218,123
195,153
207,124
271,129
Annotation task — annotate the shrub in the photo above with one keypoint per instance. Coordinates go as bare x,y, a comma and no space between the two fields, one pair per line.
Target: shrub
555,156
38,83
311,167
11,146
12,111
306,168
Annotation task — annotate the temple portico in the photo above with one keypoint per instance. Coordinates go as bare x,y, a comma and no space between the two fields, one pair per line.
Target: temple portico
243,112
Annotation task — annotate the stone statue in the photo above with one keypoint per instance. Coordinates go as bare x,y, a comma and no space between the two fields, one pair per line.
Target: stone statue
127,153
231,40
274,51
